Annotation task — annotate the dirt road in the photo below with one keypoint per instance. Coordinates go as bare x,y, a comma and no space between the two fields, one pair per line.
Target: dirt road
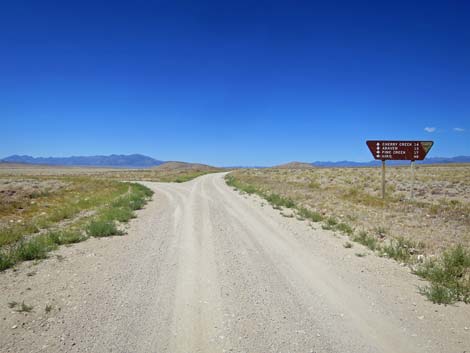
205,269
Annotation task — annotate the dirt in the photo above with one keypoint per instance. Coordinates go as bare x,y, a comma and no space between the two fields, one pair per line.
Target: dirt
438,217
205,269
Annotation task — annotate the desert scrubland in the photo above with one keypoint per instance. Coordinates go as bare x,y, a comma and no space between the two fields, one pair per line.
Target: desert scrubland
430,229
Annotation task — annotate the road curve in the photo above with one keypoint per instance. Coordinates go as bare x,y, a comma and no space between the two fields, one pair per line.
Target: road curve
205,269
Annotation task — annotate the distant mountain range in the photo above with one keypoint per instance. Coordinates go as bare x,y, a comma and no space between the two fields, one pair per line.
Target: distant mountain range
141,161
434,160
114,160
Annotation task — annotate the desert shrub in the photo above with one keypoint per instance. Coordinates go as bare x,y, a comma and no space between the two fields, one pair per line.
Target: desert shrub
366,240
5,261
102,228
120,214
280,201
136,202
64,212
66,237
345,228
249,189
142,189
311,215
330,223
34,249
399,249
449,276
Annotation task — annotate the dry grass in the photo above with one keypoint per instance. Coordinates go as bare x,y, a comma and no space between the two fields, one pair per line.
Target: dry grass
169,172
347,200
438,218
35,199
66,210
31,204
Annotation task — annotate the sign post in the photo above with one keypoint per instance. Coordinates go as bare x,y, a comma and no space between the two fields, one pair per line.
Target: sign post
399,150
383,178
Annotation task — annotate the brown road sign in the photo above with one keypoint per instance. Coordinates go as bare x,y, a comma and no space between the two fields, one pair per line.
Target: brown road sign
399,150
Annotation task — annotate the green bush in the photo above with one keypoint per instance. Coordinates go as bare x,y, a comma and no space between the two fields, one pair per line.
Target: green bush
439,294
145,191
399,249
330,224
34,249
249,189
136,202
66,237
121,209
311,215
102,228
120,214
345,228
5,261
366,240
65,212
449,276
277,200
230,180
10,235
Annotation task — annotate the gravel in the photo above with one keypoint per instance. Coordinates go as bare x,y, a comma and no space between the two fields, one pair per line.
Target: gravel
205,269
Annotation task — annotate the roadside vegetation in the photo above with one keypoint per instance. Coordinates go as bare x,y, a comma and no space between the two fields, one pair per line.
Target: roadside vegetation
184,177
358,212
30,205
168,173
71,211
165,176
42,207
449,276
274,199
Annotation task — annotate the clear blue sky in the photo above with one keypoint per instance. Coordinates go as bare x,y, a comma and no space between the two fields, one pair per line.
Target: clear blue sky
233,82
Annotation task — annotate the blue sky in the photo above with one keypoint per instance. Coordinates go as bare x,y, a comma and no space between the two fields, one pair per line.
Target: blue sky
233,82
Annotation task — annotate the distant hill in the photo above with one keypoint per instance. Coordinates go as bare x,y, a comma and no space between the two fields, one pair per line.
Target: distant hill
114,160
184,166
434,160
294,165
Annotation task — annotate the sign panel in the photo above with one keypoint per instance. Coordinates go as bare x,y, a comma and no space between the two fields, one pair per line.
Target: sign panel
399,150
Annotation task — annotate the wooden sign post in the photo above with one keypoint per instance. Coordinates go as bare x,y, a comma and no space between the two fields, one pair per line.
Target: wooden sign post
383,179
399,150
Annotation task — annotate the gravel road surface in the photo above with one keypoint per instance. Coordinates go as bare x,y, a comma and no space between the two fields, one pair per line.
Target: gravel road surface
206,269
